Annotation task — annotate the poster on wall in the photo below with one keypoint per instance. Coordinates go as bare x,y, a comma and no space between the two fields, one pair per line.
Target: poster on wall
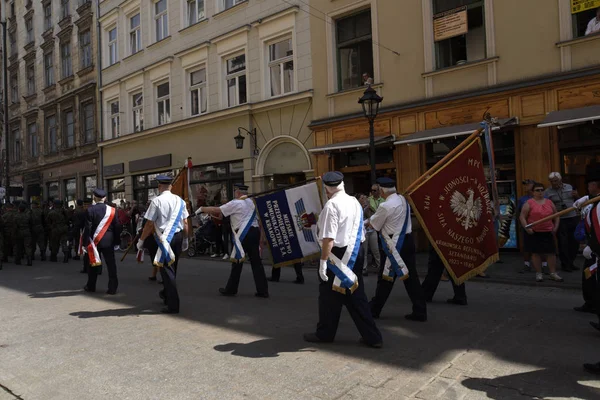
507,230
450,23
578,6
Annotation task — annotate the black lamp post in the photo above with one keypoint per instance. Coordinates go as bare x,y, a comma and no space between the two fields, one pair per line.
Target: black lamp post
239,139
370,104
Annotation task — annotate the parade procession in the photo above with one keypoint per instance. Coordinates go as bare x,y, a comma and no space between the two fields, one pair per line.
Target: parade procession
299,199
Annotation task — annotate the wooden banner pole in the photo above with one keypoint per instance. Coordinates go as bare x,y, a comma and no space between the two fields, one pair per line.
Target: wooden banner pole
563,212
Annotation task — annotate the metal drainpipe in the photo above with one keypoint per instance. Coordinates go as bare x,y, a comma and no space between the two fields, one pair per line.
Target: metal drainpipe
100,182
5,99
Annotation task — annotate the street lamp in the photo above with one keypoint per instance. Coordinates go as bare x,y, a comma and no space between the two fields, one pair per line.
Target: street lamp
239,139
370,103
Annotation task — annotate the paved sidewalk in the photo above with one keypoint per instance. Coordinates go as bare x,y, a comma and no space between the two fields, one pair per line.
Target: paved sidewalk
56,342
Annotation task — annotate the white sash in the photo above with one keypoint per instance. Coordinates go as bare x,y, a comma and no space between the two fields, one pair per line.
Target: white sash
101,229
394,264
238,254
165,254
345,278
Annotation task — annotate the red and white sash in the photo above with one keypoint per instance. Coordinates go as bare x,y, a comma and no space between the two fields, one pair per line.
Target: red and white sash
592,219
92,250
80,244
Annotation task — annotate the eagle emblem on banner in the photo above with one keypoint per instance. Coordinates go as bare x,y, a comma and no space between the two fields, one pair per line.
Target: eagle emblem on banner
305,221
466,208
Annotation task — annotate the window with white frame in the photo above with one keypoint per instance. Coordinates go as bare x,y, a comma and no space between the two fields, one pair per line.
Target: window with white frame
14,87
112,46
49,68
198,93
64,9
30,71
135,37
225,4
68,127
48,15
33,139
469,42
16,137
114,119
236,80
87,118
50,126
29,30
281,67
194,11
137,101
354,49
65,55
163,103
161,20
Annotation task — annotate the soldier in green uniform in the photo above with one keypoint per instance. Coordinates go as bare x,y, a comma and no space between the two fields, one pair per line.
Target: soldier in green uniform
23,232
58,224
48,206
39,229
1,239
7,218
78,221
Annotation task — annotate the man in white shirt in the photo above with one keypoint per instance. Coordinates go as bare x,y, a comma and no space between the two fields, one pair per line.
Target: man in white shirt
341,233
594,24
166,220
392,216
245,225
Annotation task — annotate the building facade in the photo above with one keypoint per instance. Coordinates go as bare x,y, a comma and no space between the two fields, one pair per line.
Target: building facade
53,135
183,78
460,59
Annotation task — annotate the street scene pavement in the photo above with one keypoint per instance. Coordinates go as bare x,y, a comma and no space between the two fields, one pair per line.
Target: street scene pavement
513,341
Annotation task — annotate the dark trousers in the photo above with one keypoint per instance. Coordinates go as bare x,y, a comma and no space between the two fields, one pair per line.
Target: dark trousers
331,302
435,268
276,272
412,284
226,235
219,240
108,256
588,286
250,244
168,273
76,236
568,246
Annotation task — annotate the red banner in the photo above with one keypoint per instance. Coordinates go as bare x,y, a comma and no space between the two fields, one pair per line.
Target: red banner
453,206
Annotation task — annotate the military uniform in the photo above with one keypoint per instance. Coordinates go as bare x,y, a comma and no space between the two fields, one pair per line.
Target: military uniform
8,230
23,232
1,241
77,222
58,224
39,230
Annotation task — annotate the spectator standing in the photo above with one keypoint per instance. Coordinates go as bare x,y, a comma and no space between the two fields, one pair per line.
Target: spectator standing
371,239
563,196
594,24
528,183
540,238
375,198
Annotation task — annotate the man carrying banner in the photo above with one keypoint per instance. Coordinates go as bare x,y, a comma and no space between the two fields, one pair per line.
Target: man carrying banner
435,269
246,241
392,221
166,221
341,233
100,235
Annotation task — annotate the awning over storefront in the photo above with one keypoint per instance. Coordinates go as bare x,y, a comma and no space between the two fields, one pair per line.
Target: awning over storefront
564,118
353,144
452,131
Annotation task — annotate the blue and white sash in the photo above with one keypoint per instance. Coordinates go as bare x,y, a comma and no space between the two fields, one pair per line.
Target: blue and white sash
394,265
345,278
238,254
165,255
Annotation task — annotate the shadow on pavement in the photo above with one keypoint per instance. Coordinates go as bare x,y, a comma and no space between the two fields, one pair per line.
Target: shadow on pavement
115,312
58,293
264,348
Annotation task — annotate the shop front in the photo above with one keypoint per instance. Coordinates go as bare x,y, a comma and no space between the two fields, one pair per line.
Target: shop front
68,182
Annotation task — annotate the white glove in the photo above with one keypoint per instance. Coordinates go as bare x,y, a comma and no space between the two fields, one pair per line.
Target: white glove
198,211
587,253
580,201
185,245
140,244
323,270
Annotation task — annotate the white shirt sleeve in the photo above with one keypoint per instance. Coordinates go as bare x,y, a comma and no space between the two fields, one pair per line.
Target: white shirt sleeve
590,26
228,208
330,223
378,219
151,212
186,214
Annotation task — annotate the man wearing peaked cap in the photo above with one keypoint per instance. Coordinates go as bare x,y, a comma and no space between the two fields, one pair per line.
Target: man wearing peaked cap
246,241
101,232
166,224
340,231
393,222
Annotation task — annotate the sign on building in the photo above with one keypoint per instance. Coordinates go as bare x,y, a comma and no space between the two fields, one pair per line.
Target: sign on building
578,6
450,23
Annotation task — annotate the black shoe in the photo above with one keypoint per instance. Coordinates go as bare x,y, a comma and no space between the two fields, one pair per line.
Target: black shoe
377,345
224,292
593,368
83,271
87,289
299,281
167,310
416,317
454,300
574,267
77,258
29,263
65,258
585,308
0,266
161,294
567,269
111,291
313,338
151,278
17,262
595,325
271,279
262,295
43,257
